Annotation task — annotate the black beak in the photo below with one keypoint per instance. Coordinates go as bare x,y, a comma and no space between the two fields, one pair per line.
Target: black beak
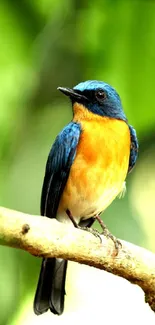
73,94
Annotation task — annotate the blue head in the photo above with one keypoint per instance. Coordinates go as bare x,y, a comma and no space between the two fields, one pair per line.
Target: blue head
98,97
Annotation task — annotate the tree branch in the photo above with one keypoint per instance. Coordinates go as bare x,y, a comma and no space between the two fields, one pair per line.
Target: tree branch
44,237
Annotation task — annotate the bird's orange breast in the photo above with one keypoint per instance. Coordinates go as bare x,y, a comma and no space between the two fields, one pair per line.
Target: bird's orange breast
100,167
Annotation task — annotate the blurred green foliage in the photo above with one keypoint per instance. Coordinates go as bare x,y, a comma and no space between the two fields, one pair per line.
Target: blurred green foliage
46,44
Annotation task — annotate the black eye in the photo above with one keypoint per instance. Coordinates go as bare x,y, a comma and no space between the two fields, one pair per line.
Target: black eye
100,95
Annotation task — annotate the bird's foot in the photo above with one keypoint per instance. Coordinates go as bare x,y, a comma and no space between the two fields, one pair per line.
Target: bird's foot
92,231
108,234
116,241
72,218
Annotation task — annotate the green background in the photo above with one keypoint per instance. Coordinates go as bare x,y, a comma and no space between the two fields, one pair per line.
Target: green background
45,44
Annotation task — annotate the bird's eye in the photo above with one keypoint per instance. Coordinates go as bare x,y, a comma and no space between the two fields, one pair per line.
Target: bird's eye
100,95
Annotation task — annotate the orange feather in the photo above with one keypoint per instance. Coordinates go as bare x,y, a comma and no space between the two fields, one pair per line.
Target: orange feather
100,167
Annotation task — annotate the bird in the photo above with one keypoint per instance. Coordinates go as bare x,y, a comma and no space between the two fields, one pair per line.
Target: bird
85,171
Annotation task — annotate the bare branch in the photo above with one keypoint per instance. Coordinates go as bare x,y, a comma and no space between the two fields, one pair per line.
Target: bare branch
44,237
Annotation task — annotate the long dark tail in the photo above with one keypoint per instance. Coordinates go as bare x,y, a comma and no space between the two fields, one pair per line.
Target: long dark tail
51,286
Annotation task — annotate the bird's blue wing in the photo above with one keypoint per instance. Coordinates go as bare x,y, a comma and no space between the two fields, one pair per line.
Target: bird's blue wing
133,149
58,165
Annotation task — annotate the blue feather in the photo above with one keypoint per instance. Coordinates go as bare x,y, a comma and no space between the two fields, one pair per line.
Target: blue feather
58,165
110,107
134,148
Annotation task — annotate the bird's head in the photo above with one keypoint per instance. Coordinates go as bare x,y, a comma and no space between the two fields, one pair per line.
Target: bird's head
98,97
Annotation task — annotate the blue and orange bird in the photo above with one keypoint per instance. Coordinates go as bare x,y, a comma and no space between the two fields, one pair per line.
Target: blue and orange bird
85,171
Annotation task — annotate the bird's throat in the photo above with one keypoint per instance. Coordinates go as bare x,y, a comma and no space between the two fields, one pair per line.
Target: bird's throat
82,113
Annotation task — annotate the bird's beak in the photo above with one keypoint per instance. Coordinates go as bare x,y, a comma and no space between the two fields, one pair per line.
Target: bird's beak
72,93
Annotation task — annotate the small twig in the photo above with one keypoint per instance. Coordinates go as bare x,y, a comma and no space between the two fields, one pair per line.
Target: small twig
46,237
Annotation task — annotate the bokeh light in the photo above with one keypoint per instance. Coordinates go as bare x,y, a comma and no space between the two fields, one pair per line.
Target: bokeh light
46,44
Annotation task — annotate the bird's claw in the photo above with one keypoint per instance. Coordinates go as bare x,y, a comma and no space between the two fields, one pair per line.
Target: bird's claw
116,241
92,231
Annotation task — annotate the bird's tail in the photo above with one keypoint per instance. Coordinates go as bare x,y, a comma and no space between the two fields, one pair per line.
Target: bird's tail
51,286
